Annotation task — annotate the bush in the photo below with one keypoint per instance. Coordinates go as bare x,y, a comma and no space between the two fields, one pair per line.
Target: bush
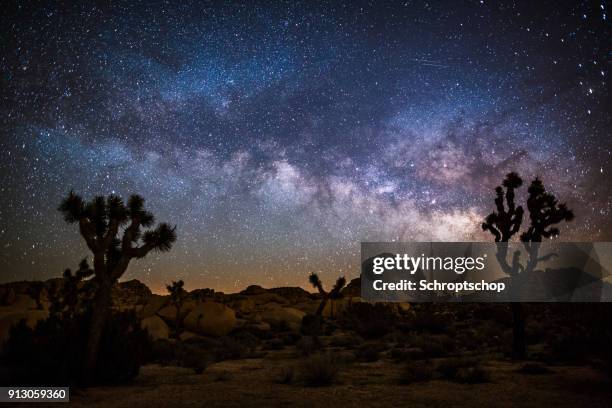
53,352
233,349
370,320
286,375
426,320
345,340
274,344
312,325
223,375
463,370
473,375
367,354
399,354
320,370
308,345
534,369
418,371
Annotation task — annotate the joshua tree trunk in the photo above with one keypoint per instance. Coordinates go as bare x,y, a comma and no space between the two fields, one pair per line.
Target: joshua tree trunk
100,222
101,310
518,331
321,307
177,322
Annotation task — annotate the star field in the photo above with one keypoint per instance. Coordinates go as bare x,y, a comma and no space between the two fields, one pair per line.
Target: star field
278,136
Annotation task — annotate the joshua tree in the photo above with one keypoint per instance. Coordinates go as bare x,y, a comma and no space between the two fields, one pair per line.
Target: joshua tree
325,296
35,290
100,221
67,300
177,296
544,213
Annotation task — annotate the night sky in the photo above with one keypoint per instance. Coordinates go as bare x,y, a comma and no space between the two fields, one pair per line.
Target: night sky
277,136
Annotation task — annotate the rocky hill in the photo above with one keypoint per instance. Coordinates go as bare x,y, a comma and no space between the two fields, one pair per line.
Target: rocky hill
204,312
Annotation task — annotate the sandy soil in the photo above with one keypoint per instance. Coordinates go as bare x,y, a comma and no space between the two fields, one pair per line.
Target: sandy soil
251,383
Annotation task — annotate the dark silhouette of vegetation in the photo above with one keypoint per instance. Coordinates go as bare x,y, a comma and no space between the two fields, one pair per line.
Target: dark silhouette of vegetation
369,320
326,296
35,290
100,221
75,293
544,213
53,351
178,295
320,370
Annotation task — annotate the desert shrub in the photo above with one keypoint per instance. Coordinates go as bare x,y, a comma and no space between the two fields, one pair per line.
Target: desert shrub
53,352
433,346
274,344
346,341
308,345
312,325
370,320
498,313
427,320
534,369
417,371
367,354
399,354
320,370
245,338
463,370
194,358
286,375
163,352
473,375
289,339
281,326
222,375
232,349
569,345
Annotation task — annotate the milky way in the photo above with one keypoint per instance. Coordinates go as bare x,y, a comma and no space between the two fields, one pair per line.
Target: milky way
277,137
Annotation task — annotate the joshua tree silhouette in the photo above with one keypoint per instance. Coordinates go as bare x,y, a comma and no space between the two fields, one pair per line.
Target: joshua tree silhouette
100,221
325,296
544,212
67,300
177,297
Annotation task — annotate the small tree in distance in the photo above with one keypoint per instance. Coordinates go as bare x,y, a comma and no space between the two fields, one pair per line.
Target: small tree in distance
177,297
326,296
100,221
544,213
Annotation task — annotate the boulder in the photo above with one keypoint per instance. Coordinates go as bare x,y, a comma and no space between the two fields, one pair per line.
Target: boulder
276,315
153,305
168,313
308,307
23,302
244,306
258,328
187,335
127,295
210,318
156,327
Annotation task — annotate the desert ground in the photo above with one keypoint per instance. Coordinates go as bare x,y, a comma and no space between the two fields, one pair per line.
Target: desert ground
252,382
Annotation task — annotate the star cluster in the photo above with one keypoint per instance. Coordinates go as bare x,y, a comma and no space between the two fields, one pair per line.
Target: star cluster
278,136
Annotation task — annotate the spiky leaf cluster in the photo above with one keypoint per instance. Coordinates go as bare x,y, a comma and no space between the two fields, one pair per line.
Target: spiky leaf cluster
506,221
544,213
100,222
